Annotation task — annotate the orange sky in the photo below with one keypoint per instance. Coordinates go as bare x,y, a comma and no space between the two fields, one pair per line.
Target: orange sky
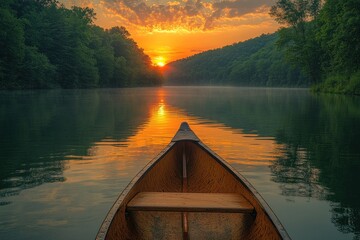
170,30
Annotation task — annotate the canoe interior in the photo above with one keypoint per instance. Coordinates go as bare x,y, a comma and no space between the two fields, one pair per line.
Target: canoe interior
206,174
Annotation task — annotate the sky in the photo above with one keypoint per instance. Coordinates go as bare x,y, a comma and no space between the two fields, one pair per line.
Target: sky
175,29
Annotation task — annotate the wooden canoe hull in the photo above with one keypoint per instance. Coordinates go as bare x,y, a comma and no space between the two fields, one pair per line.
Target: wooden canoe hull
206,173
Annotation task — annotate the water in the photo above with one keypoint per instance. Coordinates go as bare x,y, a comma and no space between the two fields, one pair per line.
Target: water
66,155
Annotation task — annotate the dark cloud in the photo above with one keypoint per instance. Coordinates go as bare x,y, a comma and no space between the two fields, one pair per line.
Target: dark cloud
189,14
232,9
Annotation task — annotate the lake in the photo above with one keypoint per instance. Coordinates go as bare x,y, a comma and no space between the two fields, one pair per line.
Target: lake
66,155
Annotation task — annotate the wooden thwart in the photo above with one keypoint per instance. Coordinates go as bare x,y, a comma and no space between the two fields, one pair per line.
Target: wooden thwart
190,202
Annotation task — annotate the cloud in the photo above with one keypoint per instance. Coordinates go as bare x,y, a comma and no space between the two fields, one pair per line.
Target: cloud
183,14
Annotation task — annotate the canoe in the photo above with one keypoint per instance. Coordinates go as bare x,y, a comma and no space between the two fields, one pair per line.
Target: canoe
189,192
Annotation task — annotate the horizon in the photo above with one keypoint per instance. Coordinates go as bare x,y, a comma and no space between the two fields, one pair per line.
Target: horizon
173,30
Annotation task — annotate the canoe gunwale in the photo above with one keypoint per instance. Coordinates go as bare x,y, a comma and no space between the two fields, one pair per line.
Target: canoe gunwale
185,134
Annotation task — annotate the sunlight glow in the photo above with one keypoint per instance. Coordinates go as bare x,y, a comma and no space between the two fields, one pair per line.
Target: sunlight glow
160,64
159,61
182,26
124,158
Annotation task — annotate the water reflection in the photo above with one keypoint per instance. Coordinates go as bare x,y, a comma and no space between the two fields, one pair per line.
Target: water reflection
298,177
65,155
319,137
329,168
38,129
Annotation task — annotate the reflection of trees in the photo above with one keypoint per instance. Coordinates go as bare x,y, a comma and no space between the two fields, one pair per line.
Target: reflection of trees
263,110
30,175
296,174
346,218
320,135
322,154
38,129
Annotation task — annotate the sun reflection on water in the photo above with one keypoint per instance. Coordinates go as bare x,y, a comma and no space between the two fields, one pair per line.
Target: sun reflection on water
125,157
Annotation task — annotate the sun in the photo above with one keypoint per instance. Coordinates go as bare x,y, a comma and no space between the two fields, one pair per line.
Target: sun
160,64
159,61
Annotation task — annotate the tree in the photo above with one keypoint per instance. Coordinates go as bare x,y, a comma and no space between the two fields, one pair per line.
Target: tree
104,55
12,45
45,45
299,38
339,30
36,71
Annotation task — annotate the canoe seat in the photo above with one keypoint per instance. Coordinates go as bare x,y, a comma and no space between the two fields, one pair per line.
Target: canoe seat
190,202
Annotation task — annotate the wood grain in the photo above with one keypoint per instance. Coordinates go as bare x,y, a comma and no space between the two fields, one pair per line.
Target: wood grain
190,202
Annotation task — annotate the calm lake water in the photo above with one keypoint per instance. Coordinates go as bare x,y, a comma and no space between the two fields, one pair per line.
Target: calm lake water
66,155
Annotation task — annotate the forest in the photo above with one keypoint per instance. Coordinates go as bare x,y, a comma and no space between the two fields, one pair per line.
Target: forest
45,45
255,62
319,46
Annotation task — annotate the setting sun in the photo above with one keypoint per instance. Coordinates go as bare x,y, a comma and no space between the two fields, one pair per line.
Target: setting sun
159,61
160,64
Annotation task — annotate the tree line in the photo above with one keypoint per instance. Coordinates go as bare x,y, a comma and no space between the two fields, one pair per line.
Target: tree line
319,46
322,37
45,45
255,62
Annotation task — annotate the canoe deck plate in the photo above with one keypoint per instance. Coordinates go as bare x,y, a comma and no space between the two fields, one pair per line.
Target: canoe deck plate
185,133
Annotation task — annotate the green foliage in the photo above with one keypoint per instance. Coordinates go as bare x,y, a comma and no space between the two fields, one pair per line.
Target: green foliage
320,46
354,84
340,84
256,62
323,41
45,45
339,34
39,70
333,84
12,47
299,39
